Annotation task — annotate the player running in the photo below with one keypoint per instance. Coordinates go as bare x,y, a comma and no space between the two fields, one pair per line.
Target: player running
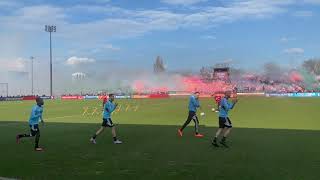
109,107
193,106
36,115
225,124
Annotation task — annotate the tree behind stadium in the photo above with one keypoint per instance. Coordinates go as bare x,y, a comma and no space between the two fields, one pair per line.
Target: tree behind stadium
158,66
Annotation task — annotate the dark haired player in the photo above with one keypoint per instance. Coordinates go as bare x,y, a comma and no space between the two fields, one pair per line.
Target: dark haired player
36,115
109,107
193,106
225,124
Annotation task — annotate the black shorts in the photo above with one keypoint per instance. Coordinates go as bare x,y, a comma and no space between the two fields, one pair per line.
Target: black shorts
34,129
225,122
107,123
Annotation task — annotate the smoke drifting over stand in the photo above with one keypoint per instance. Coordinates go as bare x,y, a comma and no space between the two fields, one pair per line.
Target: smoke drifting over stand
83,75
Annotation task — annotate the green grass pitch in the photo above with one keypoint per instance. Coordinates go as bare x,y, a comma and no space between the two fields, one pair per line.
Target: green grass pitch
272,139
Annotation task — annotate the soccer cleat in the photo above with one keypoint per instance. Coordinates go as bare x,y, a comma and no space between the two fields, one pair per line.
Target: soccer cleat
215,144
17,139
199,135
38,149
180,133
93,141
223,143
117,142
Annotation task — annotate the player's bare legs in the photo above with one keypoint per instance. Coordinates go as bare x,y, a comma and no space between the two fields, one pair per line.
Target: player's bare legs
226,132
93,139
214,141
113,131
100,130
114,135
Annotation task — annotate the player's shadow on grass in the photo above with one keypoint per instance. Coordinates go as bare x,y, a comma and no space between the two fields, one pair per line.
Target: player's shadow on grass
156,152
